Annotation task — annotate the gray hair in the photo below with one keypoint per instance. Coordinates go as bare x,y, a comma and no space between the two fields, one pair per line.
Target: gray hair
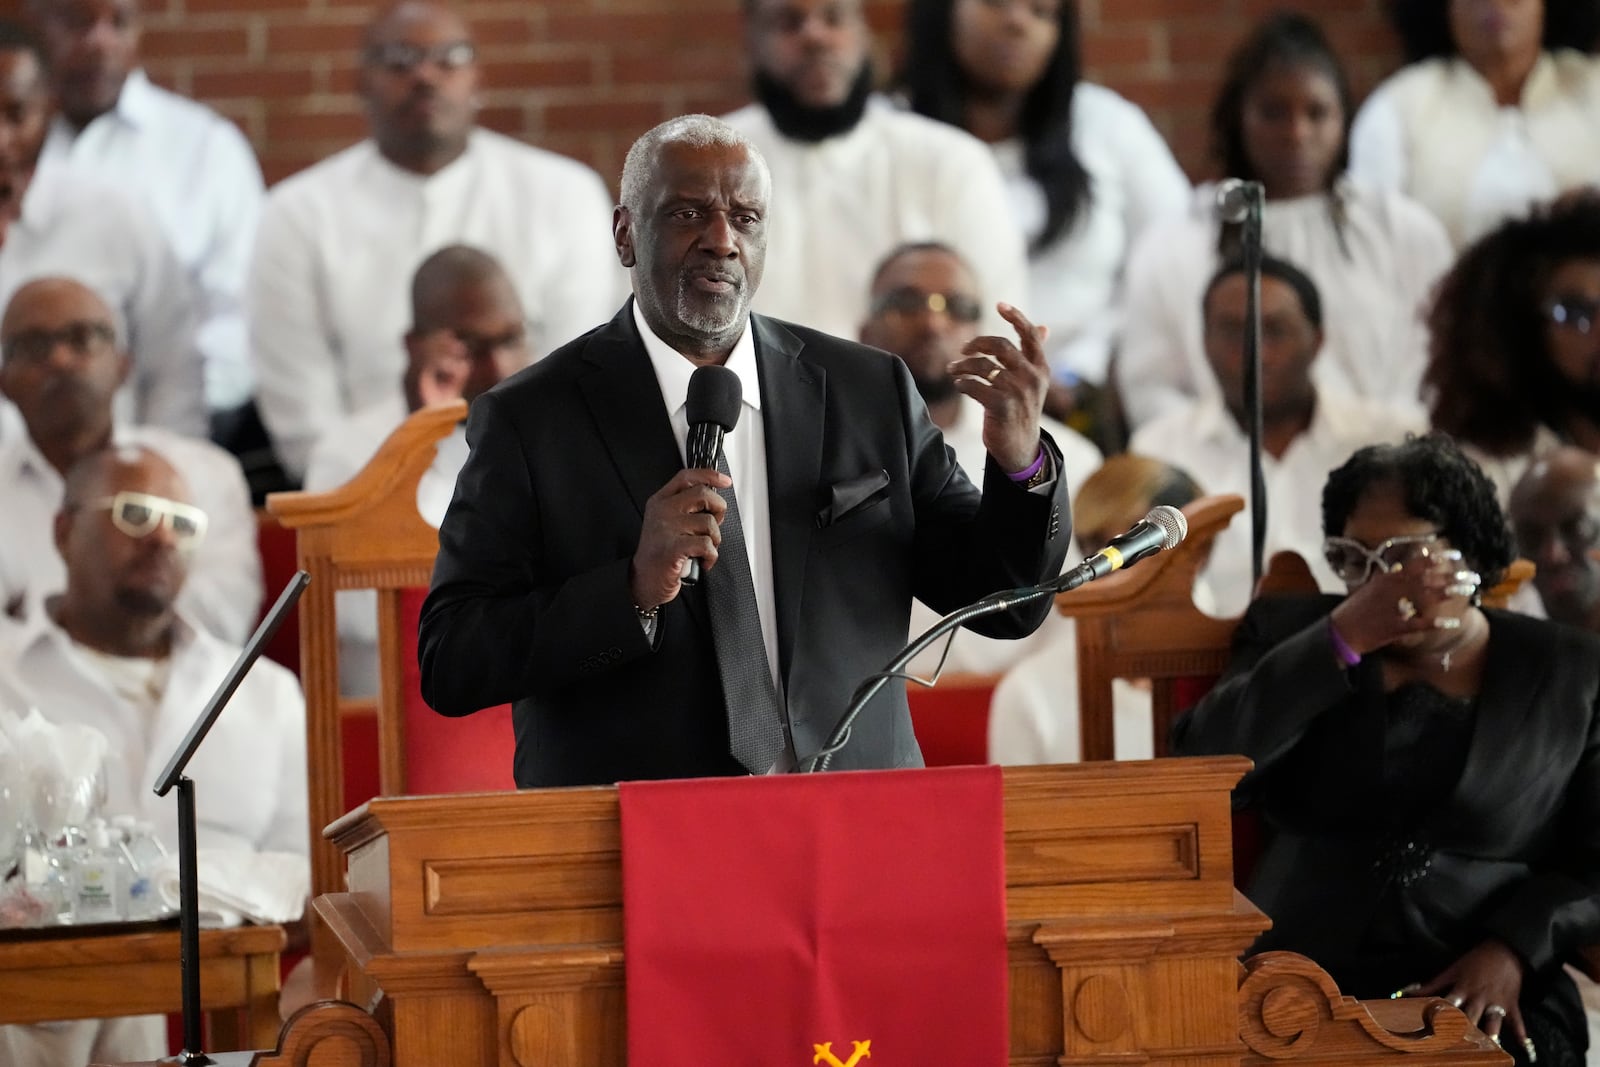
697,131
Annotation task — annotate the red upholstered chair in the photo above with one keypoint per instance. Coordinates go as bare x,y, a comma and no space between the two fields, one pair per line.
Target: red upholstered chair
367,534
951,720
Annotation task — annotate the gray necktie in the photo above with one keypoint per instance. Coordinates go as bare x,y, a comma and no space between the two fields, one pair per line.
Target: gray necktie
755,717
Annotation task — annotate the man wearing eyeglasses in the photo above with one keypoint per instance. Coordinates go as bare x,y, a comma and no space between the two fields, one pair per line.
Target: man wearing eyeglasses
192,168
1307,432
339,241
60,365
57,221
113,650
467,333
925,308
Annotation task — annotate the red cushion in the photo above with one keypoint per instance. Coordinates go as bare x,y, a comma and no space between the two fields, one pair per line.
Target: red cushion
278,564
449,755
951,722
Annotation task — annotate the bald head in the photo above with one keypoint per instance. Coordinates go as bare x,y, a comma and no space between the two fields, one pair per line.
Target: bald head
60,365
468,330
440,282
125,531
1555,513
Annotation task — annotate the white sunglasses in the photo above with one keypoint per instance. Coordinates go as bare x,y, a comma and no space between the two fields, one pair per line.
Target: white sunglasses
138,515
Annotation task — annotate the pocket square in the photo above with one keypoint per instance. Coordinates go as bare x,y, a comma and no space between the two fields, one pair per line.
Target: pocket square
853,493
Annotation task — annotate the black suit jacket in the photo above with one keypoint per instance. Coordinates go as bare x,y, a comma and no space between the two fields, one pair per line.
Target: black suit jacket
1513,851
530,601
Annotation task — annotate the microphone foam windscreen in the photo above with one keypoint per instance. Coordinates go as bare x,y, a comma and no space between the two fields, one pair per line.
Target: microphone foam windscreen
1172,522
714,396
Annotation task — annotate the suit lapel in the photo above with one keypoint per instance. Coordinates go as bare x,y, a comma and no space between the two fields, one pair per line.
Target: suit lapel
631,417
792,391
627,407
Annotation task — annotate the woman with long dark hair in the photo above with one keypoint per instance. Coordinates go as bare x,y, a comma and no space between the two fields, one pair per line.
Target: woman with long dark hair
1514,368
1086,170
1281,119
1498,109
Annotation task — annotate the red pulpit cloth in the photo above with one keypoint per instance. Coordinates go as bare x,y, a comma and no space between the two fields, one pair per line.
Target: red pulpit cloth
846,919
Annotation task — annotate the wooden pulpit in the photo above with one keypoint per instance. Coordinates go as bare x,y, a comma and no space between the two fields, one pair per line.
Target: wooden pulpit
487,929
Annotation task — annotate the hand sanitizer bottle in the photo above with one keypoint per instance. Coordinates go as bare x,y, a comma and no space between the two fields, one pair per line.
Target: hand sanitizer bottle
98,878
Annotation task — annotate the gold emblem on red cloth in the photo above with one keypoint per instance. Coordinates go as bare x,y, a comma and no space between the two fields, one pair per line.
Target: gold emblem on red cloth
861,1051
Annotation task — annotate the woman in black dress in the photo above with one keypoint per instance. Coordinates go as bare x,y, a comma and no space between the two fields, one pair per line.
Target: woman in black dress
1429,770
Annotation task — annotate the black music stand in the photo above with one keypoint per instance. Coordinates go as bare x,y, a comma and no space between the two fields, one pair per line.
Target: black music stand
188,874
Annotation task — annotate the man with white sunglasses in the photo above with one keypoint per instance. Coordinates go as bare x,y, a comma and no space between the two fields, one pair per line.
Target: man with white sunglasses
114,651
61,364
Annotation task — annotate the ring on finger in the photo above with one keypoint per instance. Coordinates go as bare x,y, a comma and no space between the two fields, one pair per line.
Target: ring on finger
1447,622
992,375
1461,589
1406,609
1496,1010
1456,1002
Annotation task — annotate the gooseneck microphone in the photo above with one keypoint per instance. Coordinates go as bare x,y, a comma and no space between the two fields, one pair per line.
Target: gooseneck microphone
712,408
1235,197
1163,528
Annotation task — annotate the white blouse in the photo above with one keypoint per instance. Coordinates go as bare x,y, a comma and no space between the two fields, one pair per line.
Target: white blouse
1435,132
1374,273
1075,283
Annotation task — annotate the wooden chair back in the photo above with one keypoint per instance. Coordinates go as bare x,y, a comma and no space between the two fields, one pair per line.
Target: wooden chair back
366,534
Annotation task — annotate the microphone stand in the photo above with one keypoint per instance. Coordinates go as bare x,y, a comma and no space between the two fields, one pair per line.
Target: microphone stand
1252,253
989,605
188,832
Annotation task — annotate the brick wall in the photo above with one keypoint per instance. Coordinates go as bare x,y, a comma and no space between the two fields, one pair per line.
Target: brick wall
584,77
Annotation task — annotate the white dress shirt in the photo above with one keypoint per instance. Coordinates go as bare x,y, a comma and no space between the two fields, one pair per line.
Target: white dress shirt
1203,440
330,284
1075,282
1435,132
197,175
250,774
746,450
840,205
972,652
339,455
81,227
223,592
1375,277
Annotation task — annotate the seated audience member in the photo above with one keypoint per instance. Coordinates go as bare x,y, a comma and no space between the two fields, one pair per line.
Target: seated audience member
466,335
61,364
1428,770
1033,717
339,241
1306,430
853,176
113,651
60,223
925,310
1514,365
1555,515
1499,109
191,167
1085,170
1280,119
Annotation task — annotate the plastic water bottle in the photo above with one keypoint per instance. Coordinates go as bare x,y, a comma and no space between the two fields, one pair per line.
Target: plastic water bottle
145,856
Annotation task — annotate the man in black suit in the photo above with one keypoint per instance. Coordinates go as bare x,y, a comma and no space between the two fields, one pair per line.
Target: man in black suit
559,586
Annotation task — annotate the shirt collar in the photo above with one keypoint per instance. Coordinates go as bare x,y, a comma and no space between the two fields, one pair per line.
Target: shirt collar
673,370
137,104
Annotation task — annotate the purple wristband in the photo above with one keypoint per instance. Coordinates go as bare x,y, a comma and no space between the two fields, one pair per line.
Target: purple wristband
1032,468
1347,655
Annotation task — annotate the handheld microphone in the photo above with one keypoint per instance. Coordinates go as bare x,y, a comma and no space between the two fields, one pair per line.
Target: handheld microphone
1163,528
1236,197
712,406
